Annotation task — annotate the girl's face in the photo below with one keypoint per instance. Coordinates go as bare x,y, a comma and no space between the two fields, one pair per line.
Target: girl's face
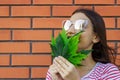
88,37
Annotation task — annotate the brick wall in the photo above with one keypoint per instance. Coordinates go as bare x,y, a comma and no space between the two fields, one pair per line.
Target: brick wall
26,27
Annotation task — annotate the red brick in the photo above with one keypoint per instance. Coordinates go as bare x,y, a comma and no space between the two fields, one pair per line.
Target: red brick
14,23
94,2
4,11
39,72
52,1
118,48
57,22
111,44
32,34
4,34
56,32
30,11
48,22
14,72
113,34
4,60
109,22
118,1
15,1
108,10
41,47
118,24
66,10
31,60
14,47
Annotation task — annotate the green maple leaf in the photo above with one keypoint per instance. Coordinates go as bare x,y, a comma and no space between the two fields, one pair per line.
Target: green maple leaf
67,47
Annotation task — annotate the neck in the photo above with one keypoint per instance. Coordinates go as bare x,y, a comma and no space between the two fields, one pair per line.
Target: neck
88,61
88,65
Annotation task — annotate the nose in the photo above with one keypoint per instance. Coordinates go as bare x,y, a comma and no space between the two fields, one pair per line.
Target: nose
71,31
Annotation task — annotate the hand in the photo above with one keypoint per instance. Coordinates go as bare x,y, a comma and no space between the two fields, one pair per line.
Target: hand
54,74
66,69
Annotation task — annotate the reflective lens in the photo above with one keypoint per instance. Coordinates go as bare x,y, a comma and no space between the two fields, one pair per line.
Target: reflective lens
78,25
67,24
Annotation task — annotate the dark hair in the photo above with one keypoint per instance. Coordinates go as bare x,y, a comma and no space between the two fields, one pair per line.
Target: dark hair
101,51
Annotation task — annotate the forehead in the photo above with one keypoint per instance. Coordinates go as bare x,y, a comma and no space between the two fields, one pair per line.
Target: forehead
80,15
77,16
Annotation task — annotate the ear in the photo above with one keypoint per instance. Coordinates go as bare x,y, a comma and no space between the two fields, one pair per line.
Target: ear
96,38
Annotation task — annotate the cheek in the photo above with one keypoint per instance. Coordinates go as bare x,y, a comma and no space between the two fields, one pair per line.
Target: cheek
85,40
86,37
87,34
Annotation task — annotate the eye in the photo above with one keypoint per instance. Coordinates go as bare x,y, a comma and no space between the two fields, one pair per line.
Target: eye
67,24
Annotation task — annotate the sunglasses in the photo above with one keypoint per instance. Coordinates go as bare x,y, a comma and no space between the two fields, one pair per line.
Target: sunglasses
78,24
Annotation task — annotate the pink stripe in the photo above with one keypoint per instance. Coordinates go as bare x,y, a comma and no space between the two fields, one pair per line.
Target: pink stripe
49,76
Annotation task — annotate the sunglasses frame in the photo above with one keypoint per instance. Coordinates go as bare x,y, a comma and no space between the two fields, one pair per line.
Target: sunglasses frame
81,26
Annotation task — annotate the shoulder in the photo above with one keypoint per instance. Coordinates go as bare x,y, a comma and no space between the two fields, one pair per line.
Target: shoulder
110,71
103,72
108,67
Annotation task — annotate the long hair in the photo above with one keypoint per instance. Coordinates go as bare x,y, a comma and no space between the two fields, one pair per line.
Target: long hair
101,51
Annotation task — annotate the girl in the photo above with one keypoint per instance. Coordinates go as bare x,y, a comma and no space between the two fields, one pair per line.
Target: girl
99,63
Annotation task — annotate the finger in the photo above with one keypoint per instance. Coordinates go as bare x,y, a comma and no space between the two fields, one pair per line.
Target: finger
54,77
65,61
62,63
58,65
52,69
60,68
61,72
69,65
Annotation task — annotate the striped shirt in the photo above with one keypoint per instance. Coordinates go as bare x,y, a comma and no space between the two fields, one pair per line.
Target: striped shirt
99,72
